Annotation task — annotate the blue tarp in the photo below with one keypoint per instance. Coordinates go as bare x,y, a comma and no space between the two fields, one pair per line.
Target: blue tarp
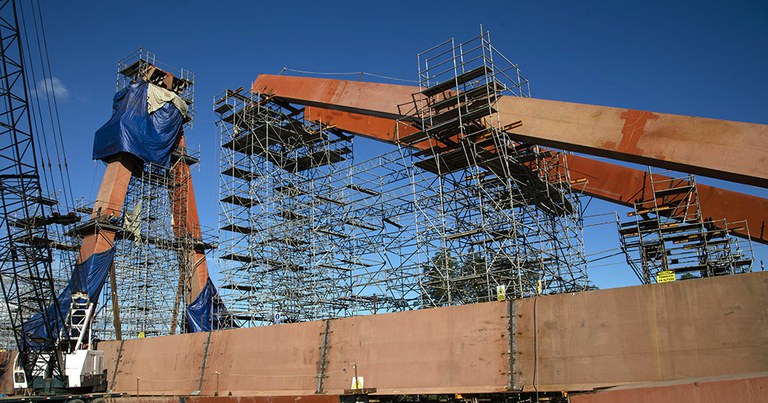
207,312
133,130
89,277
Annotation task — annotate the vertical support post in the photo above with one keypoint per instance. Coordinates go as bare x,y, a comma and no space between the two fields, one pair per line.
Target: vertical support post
321,365
193,268
202,367
117,365
115,304
511,348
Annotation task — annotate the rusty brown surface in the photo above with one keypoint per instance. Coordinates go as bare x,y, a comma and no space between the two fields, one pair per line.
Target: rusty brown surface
383,100
272,360
146,399
110,199
707,327
379,128
610,182
445,350
162,365
732,151
695,328
743,390
674,141
265,399
185,215
624,185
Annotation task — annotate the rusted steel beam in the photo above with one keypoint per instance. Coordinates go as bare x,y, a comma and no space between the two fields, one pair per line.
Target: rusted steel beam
187,224
732,151
110,200
624,185
606,181
382,100
749,388
566,342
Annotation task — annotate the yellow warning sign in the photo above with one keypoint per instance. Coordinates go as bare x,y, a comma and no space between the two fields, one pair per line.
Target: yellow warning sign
665,276
357,382
501,292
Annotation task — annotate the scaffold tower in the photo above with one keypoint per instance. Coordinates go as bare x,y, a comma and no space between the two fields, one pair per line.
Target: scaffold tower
668,233
494,216
150,283
455,213
283,219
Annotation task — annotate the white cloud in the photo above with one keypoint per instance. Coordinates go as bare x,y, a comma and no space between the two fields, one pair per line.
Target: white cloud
52,86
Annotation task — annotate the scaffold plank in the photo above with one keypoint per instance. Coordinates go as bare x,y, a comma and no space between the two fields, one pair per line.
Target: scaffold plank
455,81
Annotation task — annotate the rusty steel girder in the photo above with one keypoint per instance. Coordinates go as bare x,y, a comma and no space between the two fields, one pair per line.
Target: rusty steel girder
614,183
375,110
565,342
187,228
111,198
732,151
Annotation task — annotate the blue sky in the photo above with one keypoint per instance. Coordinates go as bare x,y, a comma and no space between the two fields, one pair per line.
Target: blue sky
700,58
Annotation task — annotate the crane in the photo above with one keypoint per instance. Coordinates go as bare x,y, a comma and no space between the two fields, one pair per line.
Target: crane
51,331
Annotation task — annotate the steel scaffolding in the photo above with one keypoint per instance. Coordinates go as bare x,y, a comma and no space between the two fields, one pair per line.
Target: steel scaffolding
283,220
668,233
152,263
493,216
453,214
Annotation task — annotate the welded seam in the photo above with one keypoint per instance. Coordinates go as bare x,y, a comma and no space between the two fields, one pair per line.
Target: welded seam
205,360
117,364
511,345
323,358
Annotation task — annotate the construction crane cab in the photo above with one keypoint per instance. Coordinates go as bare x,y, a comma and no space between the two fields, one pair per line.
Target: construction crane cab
83,365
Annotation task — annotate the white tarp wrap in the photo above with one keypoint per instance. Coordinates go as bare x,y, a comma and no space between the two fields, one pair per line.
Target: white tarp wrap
158,96
132,224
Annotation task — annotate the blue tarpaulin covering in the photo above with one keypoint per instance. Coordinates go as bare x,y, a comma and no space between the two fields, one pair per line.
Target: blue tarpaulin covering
132,129
89,277
207,312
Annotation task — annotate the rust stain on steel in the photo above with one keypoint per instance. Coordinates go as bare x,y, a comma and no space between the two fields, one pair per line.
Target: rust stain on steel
445,350
110,199
700,328
184,212
574,342
383,100
632,131
611,182
164,365
733,151
744,390
728,150
265,399
624,185
384,128
271,360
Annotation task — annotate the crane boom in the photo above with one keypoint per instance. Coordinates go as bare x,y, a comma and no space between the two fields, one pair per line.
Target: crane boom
25,253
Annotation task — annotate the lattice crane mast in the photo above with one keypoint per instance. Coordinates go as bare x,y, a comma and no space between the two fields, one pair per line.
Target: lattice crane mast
51,332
